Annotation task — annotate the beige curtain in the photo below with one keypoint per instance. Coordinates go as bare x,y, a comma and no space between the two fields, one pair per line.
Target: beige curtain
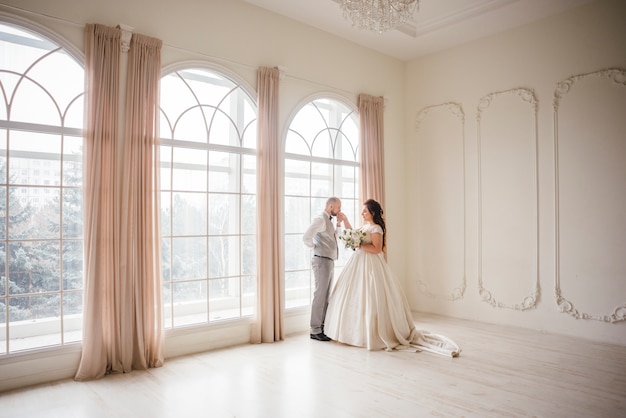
372,148
138,308
122,317
268,325
102,59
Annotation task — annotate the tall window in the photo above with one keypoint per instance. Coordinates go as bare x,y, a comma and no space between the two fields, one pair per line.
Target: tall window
41,228
208,197
321,160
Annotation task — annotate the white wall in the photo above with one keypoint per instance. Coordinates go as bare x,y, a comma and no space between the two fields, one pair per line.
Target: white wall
481,160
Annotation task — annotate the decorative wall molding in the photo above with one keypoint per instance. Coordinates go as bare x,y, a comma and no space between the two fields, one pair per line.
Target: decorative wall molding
456,294
565,306
456,110
530,300
126,36
618,77
526,94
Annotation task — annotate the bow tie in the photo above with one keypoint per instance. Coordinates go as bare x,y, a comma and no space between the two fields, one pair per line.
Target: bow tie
330,217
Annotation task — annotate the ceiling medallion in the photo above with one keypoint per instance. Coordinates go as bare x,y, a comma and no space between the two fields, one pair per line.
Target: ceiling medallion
379,15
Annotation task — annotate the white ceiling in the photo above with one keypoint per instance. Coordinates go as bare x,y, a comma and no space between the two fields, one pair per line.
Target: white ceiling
439,24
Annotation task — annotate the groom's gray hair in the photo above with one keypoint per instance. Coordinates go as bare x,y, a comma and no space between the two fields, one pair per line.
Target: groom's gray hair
333,199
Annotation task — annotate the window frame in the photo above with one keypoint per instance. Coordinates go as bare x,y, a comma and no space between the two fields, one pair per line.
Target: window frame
63,132
169,324
350,205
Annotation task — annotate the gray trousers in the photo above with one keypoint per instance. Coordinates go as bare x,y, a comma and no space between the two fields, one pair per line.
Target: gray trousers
323,270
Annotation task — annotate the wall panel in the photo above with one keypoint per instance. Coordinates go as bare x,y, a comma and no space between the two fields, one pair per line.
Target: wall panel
508,196
590,184
438,244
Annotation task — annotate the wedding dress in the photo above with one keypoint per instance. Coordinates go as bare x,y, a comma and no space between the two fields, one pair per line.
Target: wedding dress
367,308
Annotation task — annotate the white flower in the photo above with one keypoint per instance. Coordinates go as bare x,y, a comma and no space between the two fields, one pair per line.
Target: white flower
352,238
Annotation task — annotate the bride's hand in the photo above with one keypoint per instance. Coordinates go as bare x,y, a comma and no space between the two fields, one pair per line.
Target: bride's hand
341,217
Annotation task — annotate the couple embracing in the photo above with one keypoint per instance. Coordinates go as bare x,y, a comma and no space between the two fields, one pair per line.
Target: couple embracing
366,307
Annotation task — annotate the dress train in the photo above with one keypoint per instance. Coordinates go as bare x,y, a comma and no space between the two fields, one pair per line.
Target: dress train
367,308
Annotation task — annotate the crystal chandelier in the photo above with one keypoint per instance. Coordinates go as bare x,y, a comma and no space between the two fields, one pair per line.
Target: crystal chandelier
379,15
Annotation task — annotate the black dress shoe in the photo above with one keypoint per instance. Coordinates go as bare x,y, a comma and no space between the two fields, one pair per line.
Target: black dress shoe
320,337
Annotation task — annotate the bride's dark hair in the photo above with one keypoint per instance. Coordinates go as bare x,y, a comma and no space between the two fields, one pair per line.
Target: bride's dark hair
377,215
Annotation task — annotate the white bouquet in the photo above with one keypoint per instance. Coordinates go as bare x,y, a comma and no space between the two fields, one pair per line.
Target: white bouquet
352,238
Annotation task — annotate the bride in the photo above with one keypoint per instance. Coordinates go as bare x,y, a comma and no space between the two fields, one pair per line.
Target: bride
367,307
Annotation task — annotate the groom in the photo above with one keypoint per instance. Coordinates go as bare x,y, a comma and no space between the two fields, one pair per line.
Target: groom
321,236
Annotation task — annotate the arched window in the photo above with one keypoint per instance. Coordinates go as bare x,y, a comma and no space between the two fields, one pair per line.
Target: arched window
41,221
208,197
321,160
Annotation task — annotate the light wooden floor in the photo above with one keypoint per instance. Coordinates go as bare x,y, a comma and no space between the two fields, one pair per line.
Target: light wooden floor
502,372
